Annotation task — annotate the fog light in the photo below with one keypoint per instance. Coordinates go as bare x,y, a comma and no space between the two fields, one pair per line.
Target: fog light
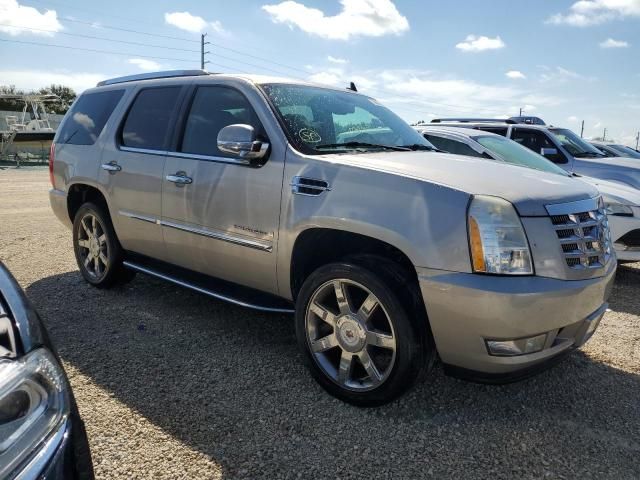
521,346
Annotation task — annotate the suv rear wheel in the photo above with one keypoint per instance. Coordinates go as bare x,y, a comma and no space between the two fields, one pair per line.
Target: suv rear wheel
360,343
98,252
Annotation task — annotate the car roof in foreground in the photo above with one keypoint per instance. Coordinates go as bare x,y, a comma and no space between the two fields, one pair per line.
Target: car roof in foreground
172,75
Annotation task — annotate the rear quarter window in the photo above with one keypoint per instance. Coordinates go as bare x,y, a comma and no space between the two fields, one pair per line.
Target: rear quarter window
88,116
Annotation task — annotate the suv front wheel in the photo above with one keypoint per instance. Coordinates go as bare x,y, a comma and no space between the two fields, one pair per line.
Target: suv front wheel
360,342
96,247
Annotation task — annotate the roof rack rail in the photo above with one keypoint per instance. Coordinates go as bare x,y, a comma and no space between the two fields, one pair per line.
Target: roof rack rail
152,75
473,120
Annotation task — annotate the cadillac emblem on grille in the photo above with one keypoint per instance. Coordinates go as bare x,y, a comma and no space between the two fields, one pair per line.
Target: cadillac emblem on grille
584,237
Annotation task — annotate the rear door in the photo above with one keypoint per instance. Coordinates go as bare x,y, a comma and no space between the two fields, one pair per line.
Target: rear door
224,221
132,168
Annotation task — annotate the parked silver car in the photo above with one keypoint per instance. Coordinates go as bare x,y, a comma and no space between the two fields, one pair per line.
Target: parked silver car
616,150
622,202
562,146
282,196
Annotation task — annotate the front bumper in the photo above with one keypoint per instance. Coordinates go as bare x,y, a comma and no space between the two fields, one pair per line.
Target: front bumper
466,309
58,201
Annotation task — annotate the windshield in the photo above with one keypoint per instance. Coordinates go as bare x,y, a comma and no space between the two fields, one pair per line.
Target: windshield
321,120
575,145
626,151
515,154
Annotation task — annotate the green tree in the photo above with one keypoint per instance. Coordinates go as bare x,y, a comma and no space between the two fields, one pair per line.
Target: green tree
10,105
67,96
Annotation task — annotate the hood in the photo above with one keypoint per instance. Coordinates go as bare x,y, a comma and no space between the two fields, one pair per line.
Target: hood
527,189
618,161
622,193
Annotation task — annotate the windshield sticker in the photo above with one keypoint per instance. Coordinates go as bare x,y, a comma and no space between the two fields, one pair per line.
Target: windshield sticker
308,135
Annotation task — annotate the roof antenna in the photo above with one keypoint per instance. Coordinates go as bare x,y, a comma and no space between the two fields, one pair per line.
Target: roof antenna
352,87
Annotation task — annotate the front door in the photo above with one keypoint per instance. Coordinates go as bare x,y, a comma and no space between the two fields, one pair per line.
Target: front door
132,170
220,215
538,140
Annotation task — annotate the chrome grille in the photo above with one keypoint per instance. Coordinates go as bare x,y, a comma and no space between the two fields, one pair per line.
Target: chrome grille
584,237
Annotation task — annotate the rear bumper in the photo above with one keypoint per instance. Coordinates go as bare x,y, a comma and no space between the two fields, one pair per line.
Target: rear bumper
58,201
465,310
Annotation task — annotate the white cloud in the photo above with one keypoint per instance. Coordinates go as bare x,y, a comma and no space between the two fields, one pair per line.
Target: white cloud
429,90
515,75
340,61
372,18
13,15
145,64
193,23
326,78
584,13
474,43
559,75
611,43
36,79
572,119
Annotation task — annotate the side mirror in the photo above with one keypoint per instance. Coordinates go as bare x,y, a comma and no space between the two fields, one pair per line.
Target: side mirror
240,141
548,152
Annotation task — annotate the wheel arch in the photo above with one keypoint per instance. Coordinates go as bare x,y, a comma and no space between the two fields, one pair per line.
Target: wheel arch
316,246
79,193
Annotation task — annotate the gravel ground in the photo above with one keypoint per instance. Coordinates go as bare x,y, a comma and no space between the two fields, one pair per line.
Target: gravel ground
174,385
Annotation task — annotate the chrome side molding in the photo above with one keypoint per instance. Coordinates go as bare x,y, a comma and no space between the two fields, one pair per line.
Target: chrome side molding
225,237
263,245
205,291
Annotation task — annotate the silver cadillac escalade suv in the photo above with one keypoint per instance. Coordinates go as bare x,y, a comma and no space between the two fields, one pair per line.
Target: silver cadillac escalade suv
289,197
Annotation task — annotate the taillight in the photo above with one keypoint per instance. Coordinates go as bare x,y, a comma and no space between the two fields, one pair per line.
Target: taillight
52,154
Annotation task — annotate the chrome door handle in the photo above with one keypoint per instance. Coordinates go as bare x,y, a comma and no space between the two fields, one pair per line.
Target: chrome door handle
179,178
111,167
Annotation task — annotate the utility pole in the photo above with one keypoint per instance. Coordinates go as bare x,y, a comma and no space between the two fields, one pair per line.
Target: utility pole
604,134
520,112
637,140
582,130
202,52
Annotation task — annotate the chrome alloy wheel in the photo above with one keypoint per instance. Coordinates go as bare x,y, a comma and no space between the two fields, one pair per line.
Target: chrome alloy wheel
350,335
93,248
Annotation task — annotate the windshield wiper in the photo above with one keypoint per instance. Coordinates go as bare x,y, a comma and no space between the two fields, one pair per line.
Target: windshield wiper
420,146
588,155
355,145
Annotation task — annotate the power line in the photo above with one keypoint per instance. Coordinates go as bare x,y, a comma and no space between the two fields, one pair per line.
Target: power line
95,12
110,52
128,30
99,38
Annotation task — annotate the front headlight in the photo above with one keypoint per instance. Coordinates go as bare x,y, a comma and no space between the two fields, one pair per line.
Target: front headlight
497,240
34,403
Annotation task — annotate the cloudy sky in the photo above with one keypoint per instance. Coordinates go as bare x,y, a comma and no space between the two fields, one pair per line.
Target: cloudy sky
563,60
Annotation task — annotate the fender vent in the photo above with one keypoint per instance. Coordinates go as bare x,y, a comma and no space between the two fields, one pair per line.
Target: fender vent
308,186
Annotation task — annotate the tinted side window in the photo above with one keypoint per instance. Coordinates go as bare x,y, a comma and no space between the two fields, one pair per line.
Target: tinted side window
536,141
148,119
212,109
497,130
87,118
452,146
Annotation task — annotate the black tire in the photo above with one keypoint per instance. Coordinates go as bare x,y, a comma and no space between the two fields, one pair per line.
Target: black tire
414,349
105,274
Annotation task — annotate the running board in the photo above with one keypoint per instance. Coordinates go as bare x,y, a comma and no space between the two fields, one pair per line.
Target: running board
217,289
